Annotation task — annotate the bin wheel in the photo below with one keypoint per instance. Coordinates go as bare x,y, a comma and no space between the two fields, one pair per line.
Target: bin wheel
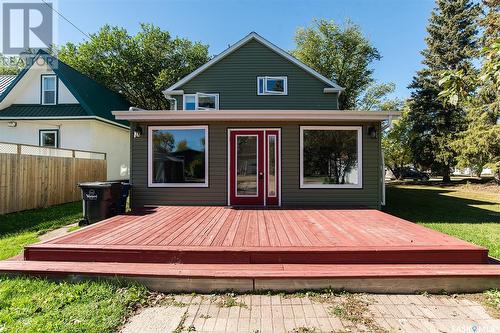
83,222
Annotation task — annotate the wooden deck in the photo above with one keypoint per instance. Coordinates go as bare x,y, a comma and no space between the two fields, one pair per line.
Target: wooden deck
219,248
224,235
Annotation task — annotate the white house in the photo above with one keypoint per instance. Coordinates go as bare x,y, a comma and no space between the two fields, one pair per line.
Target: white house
51,104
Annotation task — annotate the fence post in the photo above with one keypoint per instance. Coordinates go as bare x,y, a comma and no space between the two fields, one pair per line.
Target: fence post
18,149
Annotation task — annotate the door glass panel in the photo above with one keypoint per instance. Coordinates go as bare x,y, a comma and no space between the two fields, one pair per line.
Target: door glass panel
246,165
271,160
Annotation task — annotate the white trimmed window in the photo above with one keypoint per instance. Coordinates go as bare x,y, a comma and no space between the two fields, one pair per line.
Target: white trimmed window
178,156
49,138
49,89
272,85
201,101
331,157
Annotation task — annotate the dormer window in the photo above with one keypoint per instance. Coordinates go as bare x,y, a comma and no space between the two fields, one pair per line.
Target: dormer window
201,101
272,85
49,89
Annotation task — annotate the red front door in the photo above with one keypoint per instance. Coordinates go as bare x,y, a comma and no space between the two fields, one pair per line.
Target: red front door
254,167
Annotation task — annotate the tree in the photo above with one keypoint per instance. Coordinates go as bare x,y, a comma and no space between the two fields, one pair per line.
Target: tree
375,98
479,145
11,65
341,53
434,125
395,144
139,66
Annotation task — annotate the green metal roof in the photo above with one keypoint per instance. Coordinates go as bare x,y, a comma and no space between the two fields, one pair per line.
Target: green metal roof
41,111
95,99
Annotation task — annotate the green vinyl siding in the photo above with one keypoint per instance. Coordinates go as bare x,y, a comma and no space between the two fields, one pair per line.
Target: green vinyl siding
292,194
234,78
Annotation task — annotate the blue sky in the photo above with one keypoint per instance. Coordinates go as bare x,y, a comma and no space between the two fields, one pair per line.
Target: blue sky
396,27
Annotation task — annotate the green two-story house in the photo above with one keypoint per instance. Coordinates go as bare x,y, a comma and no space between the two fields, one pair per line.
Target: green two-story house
255,126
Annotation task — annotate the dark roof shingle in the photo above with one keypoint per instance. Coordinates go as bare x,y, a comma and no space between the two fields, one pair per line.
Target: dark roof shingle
41,111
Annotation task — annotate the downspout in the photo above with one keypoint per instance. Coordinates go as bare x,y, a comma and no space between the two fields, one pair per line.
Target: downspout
174,103
382,202
389,125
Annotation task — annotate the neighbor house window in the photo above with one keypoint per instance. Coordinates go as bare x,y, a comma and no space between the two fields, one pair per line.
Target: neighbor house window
49,138
49,89
201,101
330,157
178,156
272,85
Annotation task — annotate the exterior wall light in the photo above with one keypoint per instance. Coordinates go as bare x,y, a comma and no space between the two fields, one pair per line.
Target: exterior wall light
372,132
12,124
137,132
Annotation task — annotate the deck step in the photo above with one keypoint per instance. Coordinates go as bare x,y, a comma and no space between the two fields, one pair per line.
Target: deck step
258,255
247,277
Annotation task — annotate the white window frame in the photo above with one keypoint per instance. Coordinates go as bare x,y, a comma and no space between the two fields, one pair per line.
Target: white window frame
359,130
196,97
40,138
264,89
43,90
150,156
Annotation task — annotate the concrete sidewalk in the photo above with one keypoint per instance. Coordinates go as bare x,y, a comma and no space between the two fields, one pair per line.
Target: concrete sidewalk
314,313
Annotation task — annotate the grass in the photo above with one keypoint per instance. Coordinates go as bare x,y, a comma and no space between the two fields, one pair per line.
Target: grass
469,215
23,228
38,305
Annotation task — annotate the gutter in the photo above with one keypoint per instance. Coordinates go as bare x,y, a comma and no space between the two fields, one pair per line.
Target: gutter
252,115
67,118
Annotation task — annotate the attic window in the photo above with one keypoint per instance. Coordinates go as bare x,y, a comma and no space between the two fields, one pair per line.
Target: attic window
272,85
49,89
201,101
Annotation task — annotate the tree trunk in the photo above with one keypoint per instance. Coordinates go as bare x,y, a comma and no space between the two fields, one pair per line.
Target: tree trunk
446,175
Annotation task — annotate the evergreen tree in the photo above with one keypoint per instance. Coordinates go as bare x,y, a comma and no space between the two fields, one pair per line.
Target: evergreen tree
479,145
451,44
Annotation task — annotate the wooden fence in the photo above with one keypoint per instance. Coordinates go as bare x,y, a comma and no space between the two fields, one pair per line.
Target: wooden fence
32,181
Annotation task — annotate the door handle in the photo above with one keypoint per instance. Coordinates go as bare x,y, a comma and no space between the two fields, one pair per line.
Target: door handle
261,174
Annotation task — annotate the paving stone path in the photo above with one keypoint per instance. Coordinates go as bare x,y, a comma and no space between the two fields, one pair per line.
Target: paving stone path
281,313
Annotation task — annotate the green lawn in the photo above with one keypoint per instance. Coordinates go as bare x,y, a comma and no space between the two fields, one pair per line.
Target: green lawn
471,216
20,229
39,305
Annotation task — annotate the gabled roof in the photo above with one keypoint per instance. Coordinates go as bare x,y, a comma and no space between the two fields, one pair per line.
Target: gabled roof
240,43
96,100
5,81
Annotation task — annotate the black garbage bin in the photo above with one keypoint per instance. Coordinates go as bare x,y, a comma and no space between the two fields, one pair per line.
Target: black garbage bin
100,200
122,203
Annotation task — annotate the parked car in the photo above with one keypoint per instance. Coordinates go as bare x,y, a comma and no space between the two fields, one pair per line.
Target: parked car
412,173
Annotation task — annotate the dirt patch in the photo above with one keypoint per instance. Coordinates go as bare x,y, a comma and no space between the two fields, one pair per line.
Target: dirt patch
489,299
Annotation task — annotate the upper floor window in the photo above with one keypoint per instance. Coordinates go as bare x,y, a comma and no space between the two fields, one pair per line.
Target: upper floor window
272,85
49,89
201,101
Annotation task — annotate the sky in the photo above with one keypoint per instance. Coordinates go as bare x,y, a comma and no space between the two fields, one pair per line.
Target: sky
395,27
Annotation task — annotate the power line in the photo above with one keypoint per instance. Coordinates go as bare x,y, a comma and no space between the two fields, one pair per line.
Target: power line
67,20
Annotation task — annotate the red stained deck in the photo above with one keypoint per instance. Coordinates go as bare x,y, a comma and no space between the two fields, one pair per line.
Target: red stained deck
223,235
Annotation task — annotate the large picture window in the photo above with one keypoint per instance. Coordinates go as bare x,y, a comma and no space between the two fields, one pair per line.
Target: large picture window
178,156
330,157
